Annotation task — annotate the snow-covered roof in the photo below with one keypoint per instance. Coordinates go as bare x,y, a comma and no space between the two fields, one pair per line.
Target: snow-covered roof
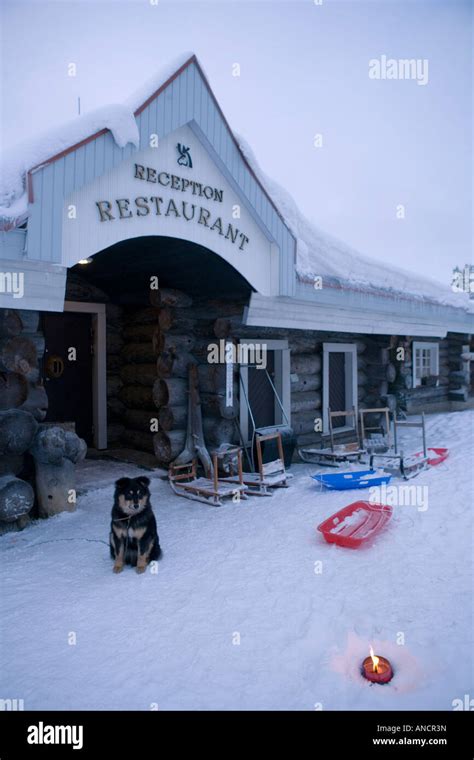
321,254
318,254
31,154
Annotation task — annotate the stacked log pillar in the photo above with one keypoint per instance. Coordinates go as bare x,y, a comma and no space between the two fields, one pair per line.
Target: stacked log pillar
158,347
459,387
114,343
380,372
306,387
159,344
183,326
401,355
188,336
138,377
23,403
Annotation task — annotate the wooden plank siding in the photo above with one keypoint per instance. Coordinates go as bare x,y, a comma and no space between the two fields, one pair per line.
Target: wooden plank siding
186,99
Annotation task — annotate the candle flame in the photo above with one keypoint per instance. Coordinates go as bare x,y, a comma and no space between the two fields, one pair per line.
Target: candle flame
375,660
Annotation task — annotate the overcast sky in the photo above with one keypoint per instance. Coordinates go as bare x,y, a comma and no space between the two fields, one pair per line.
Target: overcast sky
304,71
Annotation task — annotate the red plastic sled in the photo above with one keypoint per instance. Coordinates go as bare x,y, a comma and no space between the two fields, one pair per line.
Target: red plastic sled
435,456
355,524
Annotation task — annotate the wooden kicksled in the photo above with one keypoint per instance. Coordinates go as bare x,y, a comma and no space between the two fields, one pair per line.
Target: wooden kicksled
406,466
210,490
269,475
335,454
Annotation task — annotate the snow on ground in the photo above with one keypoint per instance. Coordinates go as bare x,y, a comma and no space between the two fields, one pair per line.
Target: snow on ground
248,569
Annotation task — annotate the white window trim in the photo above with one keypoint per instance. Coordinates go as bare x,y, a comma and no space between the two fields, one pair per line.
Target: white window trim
282,382
433,347
351,382
99,367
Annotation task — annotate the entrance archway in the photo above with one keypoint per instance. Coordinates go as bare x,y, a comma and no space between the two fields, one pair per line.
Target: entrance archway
123,271
142,347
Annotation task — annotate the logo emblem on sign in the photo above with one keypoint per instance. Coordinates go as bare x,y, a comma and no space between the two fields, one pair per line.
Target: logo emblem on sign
184,158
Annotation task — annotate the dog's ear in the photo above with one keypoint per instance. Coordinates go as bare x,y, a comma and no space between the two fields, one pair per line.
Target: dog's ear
143,480
122,483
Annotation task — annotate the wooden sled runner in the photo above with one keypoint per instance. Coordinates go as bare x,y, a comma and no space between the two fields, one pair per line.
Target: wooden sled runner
269,475
335,454
210,490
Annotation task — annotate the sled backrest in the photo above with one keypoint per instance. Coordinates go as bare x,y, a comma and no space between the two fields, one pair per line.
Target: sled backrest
364,428
400,424
231,453
348,414
179,472
276,466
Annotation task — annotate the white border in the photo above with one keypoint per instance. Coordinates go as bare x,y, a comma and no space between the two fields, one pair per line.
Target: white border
99,367
351,381
282,381
434,365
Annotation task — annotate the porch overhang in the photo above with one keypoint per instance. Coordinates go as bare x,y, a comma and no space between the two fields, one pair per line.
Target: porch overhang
344,313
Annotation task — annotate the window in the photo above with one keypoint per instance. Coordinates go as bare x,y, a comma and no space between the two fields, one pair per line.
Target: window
339,382
425,363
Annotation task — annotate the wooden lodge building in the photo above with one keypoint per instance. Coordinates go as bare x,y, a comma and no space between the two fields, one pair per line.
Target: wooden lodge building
133,256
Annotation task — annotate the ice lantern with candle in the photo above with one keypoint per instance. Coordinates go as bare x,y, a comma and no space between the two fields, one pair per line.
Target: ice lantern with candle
377,669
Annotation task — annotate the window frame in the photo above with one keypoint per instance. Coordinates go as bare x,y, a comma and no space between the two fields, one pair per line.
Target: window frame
282,383
433,348
351,382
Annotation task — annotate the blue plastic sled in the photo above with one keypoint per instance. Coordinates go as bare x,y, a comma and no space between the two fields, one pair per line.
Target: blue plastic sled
343,481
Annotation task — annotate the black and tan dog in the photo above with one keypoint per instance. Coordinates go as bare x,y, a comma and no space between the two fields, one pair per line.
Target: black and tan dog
134,538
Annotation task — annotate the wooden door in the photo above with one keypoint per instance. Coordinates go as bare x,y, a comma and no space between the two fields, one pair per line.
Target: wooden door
337,385
260,393
67,370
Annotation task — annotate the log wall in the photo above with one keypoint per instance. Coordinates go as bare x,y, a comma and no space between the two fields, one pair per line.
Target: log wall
149,349
375,370
159,343
452,383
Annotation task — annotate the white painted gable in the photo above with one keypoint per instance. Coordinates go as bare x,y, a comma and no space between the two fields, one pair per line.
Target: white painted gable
154,192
